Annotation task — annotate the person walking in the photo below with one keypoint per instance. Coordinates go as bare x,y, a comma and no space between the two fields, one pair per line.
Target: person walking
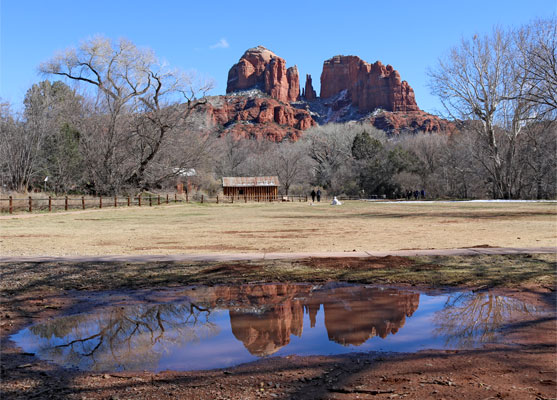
312,195
318,194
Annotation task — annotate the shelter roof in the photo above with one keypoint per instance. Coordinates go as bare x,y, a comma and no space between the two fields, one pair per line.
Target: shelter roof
245,181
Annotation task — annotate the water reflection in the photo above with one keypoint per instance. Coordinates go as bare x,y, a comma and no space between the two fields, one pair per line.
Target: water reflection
469,318
197,328
132,338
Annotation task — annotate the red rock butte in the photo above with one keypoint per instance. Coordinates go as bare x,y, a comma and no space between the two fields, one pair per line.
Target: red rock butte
350,89
262,69
370,86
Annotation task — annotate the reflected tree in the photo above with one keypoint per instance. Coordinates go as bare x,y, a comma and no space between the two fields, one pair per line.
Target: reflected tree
124,338
469,319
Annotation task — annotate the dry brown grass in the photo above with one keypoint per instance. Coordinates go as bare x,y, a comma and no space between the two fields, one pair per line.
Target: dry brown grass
282,227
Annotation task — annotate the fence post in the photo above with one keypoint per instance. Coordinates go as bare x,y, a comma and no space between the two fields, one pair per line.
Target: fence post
129,201
175,198
30,204
11,206
115,201
159,200
201,199
139,200
187,198
150,201
49,203
66,203
100,201
245,199
167,198
217,199
83,202
232,199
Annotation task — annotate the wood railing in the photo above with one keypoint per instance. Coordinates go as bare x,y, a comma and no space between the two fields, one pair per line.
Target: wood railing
48,204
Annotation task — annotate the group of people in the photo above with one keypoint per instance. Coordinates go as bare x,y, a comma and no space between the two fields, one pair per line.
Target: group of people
315,195
417,194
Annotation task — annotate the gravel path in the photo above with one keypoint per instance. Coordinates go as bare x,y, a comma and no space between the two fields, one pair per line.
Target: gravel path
285,256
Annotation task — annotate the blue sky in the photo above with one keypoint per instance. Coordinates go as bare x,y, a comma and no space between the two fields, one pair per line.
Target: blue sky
210,37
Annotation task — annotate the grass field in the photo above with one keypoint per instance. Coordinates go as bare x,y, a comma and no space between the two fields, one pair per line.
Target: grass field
280,227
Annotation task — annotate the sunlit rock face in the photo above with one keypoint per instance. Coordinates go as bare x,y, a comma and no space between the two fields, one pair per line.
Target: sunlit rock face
370,86
260,68
252,116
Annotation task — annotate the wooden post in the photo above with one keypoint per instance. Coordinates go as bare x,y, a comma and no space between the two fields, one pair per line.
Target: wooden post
150,201
245,199
232,199
175,198
187,198
49,203
11,205
66,203
83,202
159,200
139,200
217,199
30,204
201,199
129,201
100,202
167,198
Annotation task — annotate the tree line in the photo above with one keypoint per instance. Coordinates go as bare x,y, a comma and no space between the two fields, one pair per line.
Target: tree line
123,122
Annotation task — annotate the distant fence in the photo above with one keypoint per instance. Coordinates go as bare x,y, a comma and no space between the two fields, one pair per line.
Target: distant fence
49,204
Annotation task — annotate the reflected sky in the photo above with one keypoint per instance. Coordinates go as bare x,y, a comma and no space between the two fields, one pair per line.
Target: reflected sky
222,326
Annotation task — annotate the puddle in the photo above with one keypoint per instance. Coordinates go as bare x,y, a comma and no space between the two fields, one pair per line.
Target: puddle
216,327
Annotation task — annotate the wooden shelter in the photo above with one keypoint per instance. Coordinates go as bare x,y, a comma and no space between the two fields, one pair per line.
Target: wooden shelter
263,188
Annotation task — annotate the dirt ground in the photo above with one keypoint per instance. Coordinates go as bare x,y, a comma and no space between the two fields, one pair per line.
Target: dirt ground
523,367
279,227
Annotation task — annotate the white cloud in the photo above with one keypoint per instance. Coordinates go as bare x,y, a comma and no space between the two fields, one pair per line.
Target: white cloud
221,44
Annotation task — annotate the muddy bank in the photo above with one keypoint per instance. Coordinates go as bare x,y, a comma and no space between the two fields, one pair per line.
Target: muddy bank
522,367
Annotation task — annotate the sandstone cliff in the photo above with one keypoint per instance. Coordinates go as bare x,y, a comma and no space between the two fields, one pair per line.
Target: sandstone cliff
309,94
260,68
254,116
370,86
351,90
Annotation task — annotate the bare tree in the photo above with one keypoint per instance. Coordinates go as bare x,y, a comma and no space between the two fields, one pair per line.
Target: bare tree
136,108
487,79
290,163
330,147
19,149
537,46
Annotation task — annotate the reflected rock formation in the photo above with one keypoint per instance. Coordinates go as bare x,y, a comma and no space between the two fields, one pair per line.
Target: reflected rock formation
358,314
267,315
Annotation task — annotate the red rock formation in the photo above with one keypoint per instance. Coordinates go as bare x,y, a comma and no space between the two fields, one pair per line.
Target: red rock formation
260,68
370,86
309,93
254,117
412,122
293,83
